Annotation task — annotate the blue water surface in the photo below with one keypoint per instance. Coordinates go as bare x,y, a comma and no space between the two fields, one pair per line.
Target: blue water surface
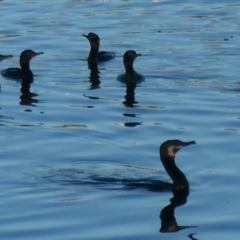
71,149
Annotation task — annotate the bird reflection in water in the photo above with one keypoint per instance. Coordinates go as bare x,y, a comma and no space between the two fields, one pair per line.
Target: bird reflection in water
191,236
27,98
131,124
94,75
180,186
168,221
129,102
130,94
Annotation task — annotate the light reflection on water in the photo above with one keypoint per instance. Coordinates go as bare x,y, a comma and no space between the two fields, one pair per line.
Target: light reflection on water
80,123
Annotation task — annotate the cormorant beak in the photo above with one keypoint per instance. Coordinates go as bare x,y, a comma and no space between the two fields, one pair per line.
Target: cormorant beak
35,54
188,143
139,54
85,36
182,145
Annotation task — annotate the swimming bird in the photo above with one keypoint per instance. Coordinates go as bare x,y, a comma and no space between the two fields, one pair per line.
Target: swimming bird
24,71
180,186
2,57
167,152
130,74
94,54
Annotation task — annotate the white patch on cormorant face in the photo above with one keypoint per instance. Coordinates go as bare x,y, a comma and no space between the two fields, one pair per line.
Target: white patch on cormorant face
172,150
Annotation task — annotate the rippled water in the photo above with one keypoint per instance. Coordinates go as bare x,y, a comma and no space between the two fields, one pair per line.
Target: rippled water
78,161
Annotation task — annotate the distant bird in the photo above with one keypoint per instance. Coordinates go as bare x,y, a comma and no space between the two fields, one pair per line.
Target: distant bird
130,74
24,71
94,54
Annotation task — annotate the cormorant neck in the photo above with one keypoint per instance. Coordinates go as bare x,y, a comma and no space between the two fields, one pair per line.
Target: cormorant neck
26,69
93,54
129,68
178,177
25,66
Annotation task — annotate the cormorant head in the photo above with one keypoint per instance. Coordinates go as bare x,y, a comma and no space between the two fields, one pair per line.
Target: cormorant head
170,147
5,57
128,59
93,39
129,56
27,55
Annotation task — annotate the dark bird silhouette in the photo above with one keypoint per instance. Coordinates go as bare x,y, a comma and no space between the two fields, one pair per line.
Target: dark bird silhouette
180,187
130,74
95,55
24,70
167,153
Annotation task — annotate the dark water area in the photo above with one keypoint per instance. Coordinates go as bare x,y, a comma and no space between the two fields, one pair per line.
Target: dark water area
80,150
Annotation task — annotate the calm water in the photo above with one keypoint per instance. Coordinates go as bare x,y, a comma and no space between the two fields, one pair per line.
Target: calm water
69,151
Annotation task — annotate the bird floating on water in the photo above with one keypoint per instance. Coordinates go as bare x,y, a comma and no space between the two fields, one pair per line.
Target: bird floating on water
95,55
167,152
130,74
24,70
